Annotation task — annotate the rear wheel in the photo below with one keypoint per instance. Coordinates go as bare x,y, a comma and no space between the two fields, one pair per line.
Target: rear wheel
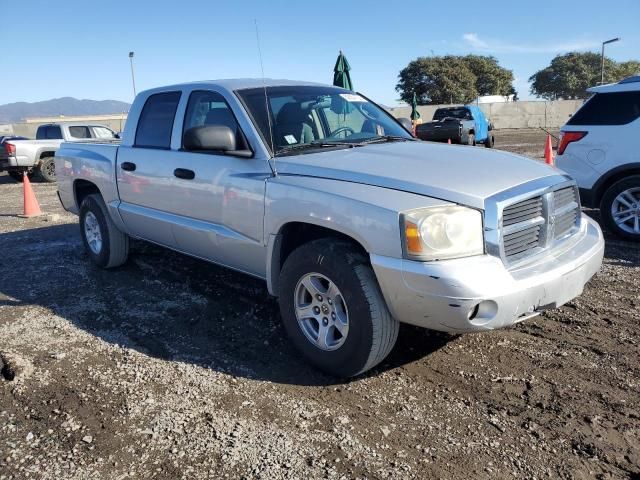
620,208
47,170
333,310
490,141
107,246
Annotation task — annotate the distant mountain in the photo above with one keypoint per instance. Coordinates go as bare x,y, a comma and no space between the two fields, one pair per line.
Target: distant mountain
15,112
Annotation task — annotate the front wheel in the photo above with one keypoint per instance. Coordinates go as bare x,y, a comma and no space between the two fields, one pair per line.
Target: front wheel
620,208
333,310
471,140
107,246
47,170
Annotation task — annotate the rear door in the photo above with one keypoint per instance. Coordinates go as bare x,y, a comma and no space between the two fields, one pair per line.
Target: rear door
611,121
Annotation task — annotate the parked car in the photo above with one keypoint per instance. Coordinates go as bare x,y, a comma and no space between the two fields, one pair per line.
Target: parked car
600,147
354,225
35,157
466,125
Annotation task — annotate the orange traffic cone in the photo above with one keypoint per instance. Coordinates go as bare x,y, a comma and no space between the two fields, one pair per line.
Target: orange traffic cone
31,206
548,151
449,141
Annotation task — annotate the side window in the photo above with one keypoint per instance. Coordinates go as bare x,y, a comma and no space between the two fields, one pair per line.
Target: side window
53,132
616,108
79,132
156,120
210,108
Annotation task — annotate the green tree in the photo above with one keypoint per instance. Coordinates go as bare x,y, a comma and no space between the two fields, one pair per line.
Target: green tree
569,75
453,79
491,78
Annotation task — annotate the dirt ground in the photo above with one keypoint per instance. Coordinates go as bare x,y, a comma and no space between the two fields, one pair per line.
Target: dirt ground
170,368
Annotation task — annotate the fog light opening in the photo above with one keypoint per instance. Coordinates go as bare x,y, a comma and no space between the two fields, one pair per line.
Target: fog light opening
483,312
474,312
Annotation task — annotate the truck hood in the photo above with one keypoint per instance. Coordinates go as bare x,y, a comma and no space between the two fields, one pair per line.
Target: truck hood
459,174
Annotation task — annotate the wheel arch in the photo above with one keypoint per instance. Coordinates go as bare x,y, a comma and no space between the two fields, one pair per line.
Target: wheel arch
292,235
82,188
612,176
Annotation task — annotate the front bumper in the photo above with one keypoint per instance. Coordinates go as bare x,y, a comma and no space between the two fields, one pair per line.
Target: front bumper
479,293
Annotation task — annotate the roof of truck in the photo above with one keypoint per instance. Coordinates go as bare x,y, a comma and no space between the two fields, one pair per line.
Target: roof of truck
243,83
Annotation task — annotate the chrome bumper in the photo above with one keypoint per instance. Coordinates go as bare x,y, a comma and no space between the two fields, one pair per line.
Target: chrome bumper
479,293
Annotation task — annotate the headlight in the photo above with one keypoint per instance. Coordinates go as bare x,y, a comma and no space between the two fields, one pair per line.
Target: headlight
439,233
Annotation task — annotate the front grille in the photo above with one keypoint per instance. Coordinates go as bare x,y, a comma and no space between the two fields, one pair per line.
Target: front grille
533,224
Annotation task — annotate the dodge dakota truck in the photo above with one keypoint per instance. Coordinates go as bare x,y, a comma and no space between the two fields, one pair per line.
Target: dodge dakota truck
35,157
466,125
353,224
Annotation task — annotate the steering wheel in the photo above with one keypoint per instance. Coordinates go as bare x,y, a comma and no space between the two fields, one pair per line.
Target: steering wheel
342,129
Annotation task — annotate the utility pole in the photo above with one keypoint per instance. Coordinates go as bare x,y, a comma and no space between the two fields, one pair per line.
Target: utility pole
133,78
602,68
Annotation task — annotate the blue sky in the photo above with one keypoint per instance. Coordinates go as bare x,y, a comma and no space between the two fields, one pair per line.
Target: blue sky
80,48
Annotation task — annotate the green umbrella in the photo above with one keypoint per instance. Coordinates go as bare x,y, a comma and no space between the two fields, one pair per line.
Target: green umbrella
341,77
415,114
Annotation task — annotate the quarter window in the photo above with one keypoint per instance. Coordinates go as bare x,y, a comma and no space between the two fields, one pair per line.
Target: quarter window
615,108
156,120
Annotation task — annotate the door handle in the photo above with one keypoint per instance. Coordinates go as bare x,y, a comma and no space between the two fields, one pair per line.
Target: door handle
184,173
128,166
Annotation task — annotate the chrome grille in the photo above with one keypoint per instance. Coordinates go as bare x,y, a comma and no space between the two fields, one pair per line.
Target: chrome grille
534,224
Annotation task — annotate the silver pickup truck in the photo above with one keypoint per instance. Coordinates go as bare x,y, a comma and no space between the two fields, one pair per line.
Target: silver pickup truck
354,225
35,157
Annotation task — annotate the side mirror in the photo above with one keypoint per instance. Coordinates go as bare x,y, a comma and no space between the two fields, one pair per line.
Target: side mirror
210,137
406,123
490,126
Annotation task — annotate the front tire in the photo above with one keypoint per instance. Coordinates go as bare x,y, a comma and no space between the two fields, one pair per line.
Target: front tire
107,246
47,170
620,208
333,310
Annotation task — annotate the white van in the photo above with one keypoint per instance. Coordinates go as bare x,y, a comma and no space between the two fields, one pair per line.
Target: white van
600,147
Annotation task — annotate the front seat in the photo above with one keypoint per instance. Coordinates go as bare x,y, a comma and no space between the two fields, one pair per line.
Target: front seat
293,125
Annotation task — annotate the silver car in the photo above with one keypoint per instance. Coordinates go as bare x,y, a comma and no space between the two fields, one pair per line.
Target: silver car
353,224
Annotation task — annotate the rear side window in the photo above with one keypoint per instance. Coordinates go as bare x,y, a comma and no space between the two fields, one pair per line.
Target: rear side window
156,120
49,132
79,132
617,108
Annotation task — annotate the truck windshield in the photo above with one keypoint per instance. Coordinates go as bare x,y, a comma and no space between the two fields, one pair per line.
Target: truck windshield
315,117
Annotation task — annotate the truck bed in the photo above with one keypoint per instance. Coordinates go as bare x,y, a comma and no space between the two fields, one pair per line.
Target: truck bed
439,131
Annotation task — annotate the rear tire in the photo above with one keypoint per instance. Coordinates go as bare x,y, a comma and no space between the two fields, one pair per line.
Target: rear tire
47,170
620,208
490,141
107,246
336,266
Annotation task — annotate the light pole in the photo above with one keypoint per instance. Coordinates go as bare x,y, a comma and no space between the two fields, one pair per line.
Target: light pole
133,78
602,69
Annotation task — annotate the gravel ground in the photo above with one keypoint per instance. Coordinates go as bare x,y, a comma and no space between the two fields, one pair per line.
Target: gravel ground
173,368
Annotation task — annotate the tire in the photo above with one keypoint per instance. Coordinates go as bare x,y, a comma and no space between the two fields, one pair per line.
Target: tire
619,197
371,330
113,247
471,140
17,176
47,170
490,141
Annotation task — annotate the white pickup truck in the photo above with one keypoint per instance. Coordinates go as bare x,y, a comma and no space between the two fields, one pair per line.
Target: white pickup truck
35,157
354,225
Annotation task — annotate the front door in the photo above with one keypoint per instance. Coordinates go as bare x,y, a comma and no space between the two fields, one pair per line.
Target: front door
210,205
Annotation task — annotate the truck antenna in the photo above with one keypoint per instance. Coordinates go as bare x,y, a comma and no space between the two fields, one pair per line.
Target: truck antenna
266,98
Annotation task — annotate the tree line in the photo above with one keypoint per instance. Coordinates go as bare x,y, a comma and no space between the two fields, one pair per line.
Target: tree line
461,79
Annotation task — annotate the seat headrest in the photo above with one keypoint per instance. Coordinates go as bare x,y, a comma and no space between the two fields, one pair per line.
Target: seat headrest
292,112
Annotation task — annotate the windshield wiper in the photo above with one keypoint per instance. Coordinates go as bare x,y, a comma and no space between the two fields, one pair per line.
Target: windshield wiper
386,138
313,144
